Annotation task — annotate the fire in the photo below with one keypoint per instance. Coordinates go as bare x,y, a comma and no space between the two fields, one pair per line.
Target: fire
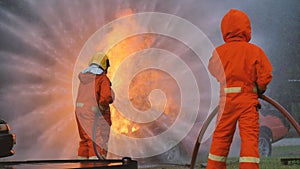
141,86
116,56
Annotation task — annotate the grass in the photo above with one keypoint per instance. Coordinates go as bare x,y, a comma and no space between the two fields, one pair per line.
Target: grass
266,163
272,162
286,151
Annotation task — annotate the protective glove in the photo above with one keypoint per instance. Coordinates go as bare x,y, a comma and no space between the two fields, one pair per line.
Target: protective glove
104,109
258,106
261,91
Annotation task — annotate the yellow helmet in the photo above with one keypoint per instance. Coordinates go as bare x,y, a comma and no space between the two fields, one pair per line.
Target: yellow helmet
100,59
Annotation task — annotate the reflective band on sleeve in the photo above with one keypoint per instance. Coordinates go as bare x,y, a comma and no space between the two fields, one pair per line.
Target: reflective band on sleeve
232,89
217,158
78,104
249,160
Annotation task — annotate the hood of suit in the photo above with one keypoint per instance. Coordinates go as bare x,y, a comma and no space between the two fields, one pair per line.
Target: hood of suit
236,26
86,78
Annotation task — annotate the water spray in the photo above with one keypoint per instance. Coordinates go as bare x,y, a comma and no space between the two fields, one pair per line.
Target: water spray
206,123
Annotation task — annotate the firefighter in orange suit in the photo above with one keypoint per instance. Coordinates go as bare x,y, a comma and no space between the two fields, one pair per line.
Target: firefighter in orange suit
243,71
92,105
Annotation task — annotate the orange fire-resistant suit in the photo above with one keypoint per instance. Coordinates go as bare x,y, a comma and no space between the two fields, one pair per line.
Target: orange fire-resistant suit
94,94
246,71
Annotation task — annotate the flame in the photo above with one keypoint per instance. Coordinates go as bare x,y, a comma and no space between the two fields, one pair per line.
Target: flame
142,84
116,56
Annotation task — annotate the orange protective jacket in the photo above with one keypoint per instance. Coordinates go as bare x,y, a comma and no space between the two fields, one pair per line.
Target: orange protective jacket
94,90
237,62
239,66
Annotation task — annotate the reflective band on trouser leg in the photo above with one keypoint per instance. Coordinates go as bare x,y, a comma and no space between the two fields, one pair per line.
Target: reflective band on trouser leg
217,158
216,162
249,160
249,163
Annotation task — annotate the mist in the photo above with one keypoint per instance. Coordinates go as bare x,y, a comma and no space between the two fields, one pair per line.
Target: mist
41,42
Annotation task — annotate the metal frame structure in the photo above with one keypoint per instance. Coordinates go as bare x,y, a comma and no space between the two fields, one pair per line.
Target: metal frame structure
125,163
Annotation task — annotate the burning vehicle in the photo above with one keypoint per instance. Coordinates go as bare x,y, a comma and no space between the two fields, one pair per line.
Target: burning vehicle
7,140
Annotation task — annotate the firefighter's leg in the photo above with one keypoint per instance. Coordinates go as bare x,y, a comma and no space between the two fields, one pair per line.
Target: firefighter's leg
222,139
92,153
83,150
249,132
102,137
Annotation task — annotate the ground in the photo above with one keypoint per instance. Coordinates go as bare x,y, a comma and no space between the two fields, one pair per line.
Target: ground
280,151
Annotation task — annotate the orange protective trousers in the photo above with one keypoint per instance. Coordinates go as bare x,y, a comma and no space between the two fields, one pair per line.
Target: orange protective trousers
86,148
246,115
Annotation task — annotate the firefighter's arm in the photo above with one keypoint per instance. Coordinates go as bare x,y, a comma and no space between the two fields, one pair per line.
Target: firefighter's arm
215,66
264,73
105,95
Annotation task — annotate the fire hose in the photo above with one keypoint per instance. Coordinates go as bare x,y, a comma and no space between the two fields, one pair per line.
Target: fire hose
97,115
206,123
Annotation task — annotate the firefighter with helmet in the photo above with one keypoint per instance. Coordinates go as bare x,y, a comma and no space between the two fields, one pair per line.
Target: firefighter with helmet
243,70
92,106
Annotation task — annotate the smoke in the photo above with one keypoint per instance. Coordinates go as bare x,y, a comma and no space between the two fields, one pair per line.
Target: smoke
41,40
